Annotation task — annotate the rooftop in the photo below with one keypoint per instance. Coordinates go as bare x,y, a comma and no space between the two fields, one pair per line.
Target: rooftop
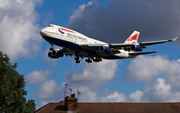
113,107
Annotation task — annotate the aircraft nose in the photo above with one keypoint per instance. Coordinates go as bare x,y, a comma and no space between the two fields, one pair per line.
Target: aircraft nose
42,32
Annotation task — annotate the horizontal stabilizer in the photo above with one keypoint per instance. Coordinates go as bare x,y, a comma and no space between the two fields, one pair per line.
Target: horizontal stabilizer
142,53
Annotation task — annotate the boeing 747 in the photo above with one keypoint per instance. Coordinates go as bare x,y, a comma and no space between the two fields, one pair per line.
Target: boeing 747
78,45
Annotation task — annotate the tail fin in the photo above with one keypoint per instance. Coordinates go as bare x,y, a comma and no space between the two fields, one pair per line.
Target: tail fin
133,38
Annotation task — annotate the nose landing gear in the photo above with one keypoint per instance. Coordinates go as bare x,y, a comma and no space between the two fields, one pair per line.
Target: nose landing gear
51,49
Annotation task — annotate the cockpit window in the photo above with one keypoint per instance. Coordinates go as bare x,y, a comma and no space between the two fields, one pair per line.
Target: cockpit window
50,25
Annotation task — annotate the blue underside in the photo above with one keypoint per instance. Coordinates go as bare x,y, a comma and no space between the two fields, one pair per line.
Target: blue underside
75,47
66,44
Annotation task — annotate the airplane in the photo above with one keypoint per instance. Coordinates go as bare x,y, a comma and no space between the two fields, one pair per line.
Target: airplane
76,44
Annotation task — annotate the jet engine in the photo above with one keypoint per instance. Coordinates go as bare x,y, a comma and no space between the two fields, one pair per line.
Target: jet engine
57,52
136,48
52,56
104,49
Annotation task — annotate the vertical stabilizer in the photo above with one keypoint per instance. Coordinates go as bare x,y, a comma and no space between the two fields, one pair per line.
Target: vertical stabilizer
133,38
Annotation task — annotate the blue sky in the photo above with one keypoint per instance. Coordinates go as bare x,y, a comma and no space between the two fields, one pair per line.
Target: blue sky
149,78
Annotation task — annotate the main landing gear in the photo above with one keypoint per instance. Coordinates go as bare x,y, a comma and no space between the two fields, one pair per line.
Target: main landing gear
88,60
97,59
77,59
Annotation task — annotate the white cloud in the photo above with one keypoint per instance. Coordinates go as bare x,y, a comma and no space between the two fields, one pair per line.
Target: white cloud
78,13
93,75
136,96
19,32
159,91
46,89
4,3
88,95
178,60
116,97
38,76
145,67
172,74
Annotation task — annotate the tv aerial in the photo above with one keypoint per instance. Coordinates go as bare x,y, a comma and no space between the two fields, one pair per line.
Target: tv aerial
68,87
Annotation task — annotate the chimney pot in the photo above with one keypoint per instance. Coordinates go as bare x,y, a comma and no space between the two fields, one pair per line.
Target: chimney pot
73,95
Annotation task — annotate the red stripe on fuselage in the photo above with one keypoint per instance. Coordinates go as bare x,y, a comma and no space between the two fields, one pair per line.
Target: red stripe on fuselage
66,30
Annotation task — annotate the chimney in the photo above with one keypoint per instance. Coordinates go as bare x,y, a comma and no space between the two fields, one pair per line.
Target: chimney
71,103
73,96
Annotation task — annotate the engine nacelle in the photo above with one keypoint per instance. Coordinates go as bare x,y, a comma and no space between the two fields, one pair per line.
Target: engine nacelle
104,49
57,53
52,56
136,48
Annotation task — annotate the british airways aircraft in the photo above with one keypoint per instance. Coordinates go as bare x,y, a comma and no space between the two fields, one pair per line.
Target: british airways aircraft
80,46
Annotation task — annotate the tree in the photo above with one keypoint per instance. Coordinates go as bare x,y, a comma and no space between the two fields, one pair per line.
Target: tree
12,89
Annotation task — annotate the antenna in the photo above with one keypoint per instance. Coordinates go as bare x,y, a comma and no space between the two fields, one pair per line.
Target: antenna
68,87
65,90
70,90
78,93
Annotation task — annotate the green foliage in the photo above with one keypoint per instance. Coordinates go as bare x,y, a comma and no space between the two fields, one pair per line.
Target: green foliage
12,89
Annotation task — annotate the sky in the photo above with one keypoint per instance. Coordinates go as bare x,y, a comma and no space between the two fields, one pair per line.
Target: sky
148,78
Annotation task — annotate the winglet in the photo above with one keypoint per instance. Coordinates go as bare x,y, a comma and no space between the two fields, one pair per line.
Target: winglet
174,39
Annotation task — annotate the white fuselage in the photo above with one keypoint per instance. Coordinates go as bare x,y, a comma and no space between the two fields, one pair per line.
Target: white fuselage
72,40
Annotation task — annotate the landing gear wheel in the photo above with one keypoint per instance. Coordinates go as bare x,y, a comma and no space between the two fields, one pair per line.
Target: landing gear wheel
76,58
88,61
98,59
77,61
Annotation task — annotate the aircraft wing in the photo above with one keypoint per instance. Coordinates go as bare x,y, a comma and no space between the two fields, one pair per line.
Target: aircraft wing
96,46
121,46
114,47
157,42
142,44
142,53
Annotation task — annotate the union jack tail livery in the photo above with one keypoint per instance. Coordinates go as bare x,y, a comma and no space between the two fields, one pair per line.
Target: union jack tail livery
133,38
